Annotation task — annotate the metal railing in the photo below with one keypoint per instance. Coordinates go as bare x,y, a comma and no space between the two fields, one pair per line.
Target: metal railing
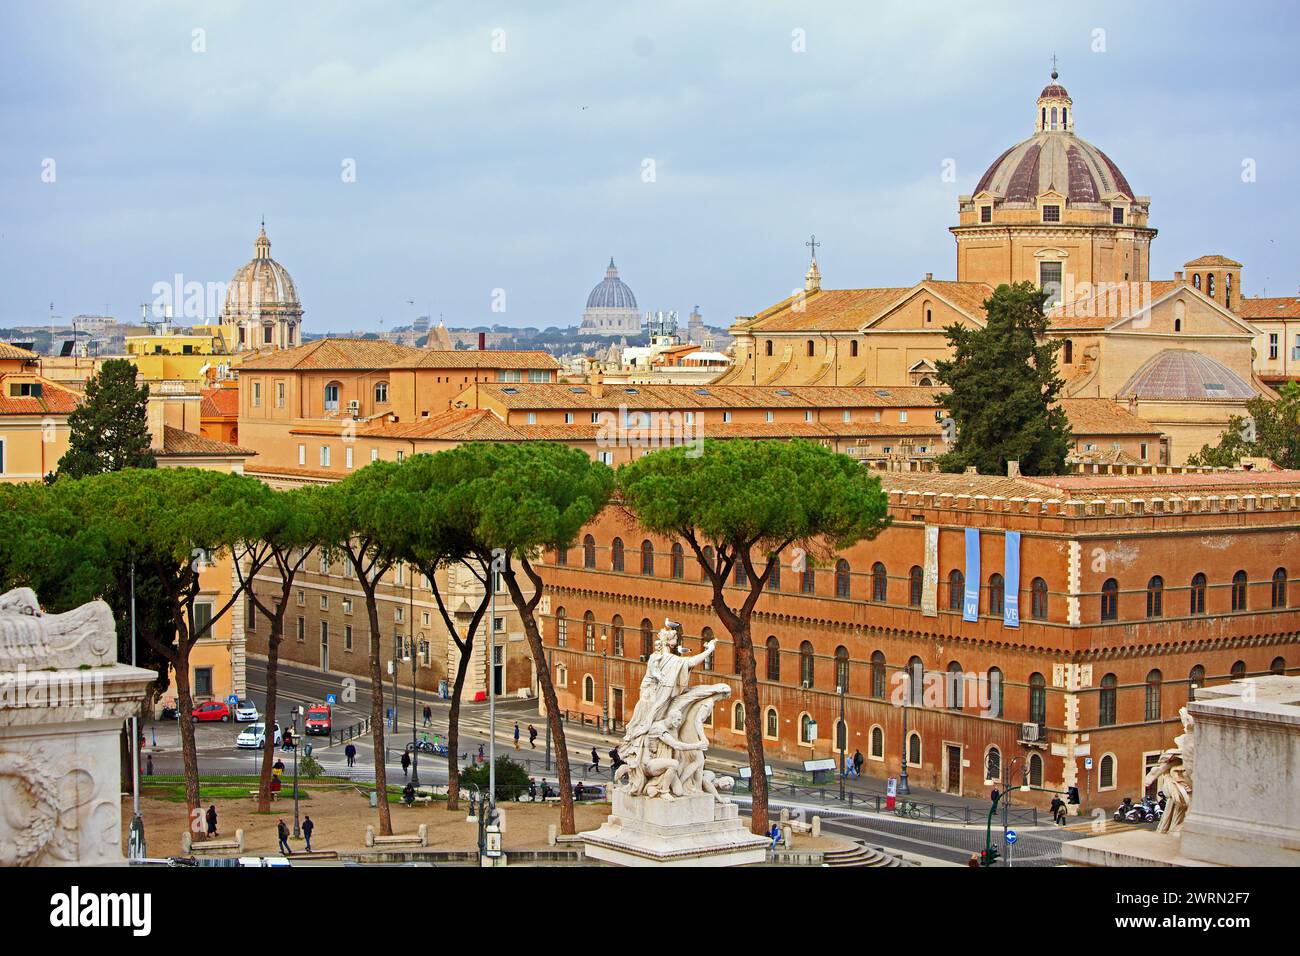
904,807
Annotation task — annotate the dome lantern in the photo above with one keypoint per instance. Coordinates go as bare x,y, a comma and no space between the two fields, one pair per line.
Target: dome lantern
1055,109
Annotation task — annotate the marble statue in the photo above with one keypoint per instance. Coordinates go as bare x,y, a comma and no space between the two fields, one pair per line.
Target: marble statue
63,698
1172,774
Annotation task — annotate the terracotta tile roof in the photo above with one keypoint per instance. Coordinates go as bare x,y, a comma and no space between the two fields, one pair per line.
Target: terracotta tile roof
219,403
1218,482
177,441
555,396
1101,416
1215,261
457,424
54,399
845,310
960,484
8,351
1287,307
1100,311
345,354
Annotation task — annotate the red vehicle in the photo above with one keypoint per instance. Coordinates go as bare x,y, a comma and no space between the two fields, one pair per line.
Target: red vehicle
212,710
319,719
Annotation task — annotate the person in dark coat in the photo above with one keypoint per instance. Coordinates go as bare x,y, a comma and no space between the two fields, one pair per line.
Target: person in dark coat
350,751
406,763
615,761
212,820
428,715
307,827
857,762
579,790
595,760
283,832
532,789
532,736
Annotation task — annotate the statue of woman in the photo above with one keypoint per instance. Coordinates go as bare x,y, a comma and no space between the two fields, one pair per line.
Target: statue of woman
667,674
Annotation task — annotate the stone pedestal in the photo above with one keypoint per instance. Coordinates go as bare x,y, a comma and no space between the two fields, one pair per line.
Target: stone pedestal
694,830
63,700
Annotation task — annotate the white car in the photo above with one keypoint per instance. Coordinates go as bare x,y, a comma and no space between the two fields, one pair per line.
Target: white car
254,737
246,710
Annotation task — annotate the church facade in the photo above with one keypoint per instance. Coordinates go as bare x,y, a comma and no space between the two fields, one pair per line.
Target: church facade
1056,211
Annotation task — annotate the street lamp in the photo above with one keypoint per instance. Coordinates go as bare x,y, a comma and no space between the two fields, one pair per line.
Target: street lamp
842,731
604,679
498,565
415,748
902,777
295,711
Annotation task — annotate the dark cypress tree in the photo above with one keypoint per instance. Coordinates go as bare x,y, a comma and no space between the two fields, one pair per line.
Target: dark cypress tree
109,430
1003,385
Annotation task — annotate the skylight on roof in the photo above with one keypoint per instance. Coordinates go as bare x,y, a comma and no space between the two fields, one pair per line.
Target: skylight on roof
510,391
882,392
578,391
784,391
701,391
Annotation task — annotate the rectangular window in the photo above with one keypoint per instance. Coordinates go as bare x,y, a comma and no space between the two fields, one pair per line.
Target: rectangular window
986,213
2,456
324,632
347,456
401,456
347,637
1117,215
902,416
399,615
595,418
324,602
1272,345
568,418
324,456
807,416
606,458
257,394
726,416
767,416
302,629
279,394
347,605
538,376
202,617
374,454
424,618
508,375
302,454
302,598
250,620
1051,214
1049,280
203,682
532,418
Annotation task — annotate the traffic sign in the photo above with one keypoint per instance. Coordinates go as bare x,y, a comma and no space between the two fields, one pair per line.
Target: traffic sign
333,699
1011,836
232,700
1087,763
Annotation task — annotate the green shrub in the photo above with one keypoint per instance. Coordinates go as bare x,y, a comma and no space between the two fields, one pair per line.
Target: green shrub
512,778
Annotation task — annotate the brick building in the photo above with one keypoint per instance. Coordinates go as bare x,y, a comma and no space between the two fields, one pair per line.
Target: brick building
1132,590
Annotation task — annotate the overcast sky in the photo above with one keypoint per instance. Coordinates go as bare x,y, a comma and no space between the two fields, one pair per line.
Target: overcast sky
525,169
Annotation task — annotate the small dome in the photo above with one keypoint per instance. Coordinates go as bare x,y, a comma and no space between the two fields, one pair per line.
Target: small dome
612,292
1184,375
261,284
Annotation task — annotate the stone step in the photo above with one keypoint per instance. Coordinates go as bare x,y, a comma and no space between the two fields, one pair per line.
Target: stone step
860,856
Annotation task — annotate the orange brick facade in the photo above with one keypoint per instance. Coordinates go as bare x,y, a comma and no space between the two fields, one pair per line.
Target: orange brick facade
1106,689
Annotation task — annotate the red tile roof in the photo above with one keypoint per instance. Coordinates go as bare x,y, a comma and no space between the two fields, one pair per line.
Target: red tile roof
219,403
8,351
361,354
54,399
1287,307
179,442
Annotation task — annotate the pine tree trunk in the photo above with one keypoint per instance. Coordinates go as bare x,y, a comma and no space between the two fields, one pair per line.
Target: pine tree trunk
453,730
377,715
753,731
185,717
268,716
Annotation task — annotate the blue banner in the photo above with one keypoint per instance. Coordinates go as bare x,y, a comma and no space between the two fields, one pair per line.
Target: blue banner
1011,585
970,605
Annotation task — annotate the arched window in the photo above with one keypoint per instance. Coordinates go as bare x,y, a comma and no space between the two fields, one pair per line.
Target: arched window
1198,594
879,583
773,659
774,578
771,723
996,687
588,632
842,579
647,638
805,729
956,587
1209,285
808,580
1156,597
588,689
706,635
841,736
561,628
1035,770
1239,591
616,635
709,561
589,552
993,765
1067,353
1037,698
767,347
1278,666
878,742
842,669
1196,280
647,558
812,348
1195,679
806,662
914,583
853,348
1106,706
915,681
1153,695
738,717
914,750
561,556
616,554
1106,772
997,594
1238,670
1279,587
1110,600
678,562
381,393
878,675
955,686
1038,599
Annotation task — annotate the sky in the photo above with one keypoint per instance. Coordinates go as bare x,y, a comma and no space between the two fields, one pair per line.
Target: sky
485,160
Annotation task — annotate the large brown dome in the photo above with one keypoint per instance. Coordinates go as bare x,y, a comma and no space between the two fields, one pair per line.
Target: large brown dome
1058,160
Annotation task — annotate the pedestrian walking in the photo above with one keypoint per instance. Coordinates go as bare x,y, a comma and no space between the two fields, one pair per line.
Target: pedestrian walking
516,735
350,751
532,736
406,763
615,761
283,832
1058,811
307,827
428,715
481,758
148,765
212,820
595,761
579,790
857,763
532,789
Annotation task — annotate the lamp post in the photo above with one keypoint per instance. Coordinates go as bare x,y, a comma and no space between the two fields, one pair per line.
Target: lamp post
498,565
604,679
902,777
842,731
297,709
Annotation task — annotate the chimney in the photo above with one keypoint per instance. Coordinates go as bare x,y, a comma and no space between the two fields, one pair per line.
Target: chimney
597,385
1178,278
972,470
929,277
1013,468
482,341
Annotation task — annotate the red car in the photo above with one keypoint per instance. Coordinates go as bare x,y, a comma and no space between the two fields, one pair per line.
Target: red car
212,710
319,720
